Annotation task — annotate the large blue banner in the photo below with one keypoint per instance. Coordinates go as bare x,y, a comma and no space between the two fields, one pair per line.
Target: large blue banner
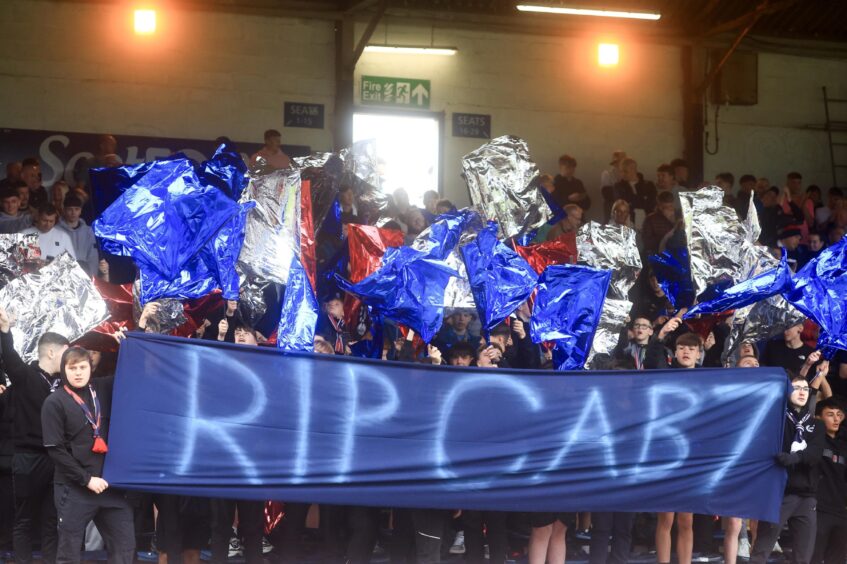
210,419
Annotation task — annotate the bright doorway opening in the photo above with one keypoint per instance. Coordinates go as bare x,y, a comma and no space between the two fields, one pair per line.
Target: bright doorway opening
408,147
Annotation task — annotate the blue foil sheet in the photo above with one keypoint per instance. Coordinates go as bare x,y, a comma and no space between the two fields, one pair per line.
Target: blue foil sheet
211,269
820,292
409,288
750,291
166,217
567,310
500,279
299,313
674,276
225,171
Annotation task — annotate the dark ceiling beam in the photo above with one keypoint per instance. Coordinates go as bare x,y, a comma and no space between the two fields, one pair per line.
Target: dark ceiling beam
765,7
351,6
369,31
707,82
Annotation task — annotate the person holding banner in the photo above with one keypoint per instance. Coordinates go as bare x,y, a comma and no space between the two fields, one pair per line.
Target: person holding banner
75,420
802,445
687,351
250,513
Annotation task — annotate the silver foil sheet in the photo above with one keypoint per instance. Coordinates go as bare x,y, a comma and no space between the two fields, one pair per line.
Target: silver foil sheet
271,233
169,316
613,317
251,299
59,298
458,293
16,250
760,321
720,246
362,173
610,247
502,180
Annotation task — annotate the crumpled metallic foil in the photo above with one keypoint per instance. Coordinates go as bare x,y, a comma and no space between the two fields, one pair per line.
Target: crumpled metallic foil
324,171
720,246
458,292
270,237
448,233
758,322
59,298
15,251
502,179
610,247
169,316
613,317
252,305
362,173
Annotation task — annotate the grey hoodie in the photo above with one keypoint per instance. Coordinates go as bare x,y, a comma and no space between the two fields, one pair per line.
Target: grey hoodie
85,245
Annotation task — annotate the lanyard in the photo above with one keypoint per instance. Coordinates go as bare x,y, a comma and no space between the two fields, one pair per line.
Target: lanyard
51,384
93,420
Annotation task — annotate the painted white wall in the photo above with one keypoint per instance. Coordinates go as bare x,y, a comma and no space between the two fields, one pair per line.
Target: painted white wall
772,138
550,92
78,67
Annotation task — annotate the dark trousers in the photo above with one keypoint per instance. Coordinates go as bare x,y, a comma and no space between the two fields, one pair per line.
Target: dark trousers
351,531
7,508
704,533
830,540
183,524
32,476
418,535
799,513
613,529
292,527
251,516
495,526
109,510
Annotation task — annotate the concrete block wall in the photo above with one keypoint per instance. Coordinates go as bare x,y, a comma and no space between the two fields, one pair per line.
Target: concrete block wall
772,138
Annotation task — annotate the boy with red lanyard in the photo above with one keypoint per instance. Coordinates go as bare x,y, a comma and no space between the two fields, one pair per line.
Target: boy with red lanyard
75,422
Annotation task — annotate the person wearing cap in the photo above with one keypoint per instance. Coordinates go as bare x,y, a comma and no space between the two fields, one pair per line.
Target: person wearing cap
75,420
612,175
789,239
81,234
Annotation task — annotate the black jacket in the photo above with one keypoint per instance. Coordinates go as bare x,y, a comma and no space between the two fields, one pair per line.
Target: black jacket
30,387
832,486
803,469
69,437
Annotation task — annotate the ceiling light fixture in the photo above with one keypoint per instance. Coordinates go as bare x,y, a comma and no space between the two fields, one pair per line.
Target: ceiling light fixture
546,9
410,50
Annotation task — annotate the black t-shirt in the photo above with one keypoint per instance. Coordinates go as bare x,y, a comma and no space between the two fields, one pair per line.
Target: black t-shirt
777,353
69,437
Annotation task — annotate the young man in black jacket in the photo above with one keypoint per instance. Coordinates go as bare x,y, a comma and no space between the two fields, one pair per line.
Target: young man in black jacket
75,420
831,537
802,448
32,469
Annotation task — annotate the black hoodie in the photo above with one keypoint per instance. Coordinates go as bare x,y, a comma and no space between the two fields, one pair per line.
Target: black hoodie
803,471
31,386
832,487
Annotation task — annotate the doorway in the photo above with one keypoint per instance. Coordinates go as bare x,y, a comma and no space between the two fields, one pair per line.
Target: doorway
408,146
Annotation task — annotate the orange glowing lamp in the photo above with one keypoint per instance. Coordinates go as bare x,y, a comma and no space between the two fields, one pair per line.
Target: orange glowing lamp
145,22
608,54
